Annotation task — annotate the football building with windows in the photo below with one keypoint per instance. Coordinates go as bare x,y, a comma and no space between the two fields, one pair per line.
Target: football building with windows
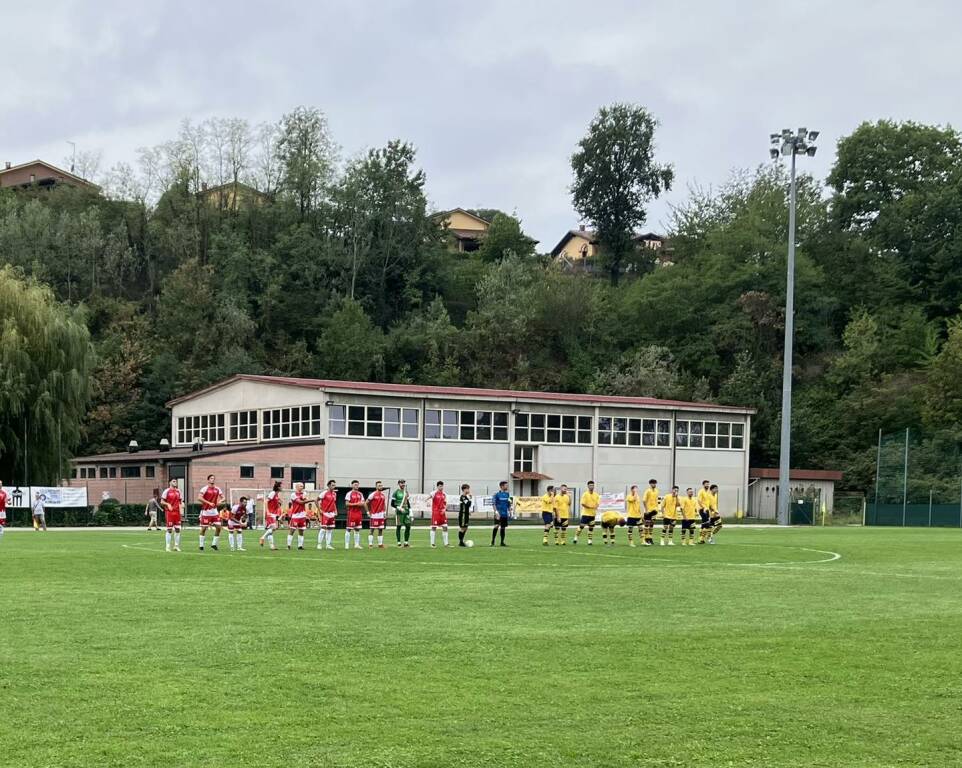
249,431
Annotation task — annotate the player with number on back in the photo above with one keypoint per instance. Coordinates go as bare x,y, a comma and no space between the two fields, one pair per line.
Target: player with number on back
548,513
649,502
465,502
271,514
297,514
325,536
377,515
171,500
355,515
210,498
562,505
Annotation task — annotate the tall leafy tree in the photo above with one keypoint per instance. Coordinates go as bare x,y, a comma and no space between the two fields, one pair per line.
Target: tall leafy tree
615,176
45,364
305,153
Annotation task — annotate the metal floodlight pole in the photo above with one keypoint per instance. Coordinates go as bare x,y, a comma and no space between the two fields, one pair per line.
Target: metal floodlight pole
785,443
791,144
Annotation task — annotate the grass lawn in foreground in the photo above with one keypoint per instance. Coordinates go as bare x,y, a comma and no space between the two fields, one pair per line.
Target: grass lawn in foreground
766,649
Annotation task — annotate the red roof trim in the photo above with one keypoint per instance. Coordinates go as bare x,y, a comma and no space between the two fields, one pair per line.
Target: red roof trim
771,473
466,392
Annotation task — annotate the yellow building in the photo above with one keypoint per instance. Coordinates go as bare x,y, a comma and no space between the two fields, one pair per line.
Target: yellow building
232,196
465,229
575,247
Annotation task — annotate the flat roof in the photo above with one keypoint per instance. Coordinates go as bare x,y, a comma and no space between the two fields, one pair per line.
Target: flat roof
363,387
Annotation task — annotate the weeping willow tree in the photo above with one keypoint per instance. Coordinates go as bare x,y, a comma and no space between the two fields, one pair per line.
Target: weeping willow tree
45,362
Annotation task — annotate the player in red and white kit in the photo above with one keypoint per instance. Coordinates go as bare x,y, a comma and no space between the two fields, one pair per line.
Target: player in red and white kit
171,500
325,536
3,509
236,523
377,511
439,514
297,512
356,505
210,498
271,514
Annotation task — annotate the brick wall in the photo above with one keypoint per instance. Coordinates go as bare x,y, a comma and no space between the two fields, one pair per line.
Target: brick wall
226,468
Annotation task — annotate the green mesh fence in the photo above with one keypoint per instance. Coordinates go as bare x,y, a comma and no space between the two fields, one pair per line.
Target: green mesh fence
918,482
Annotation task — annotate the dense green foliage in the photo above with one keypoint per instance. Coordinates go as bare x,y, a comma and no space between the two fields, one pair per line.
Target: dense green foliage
339,270
518,657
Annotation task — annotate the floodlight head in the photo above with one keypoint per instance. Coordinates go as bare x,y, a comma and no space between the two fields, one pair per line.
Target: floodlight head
811,151
812,135
787,148
774,153
801,132
775,137
786,133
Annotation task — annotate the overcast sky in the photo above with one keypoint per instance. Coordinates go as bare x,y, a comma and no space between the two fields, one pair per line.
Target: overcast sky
494,95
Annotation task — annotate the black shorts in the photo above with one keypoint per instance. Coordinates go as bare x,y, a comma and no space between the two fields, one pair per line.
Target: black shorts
501,522
703,514
687,525
632,521
464,519
714,520
669,521
588,520
650,516
547,518
561,522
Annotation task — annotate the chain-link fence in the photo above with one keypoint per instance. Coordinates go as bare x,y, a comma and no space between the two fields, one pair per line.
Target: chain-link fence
918,480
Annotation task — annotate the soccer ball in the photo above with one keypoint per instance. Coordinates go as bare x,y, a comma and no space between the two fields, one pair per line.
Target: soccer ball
469,543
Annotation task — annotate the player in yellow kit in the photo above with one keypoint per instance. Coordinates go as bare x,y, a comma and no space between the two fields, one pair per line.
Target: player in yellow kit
589,511
610,520
547,513
714,517
650,503
689,514
562,515
704,510
670,508
633,505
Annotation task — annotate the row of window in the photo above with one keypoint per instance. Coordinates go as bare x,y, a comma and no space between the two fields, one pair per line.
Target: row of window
465,425
709,434
378,421
127,472
373,421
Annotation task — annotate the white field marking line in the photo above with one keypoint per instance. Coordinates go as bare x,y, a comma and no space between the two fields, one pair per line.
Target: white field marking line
832,557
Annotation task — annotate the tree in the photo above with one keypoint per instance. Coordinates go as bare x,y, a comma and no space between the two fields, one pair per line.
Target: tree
504,237
45,364
615,176
305,153
351,347
943,387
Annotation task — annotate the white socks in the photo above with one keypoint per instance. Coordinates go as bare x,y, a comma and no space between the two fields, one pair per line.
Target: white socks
202,541
176,538
240,539
166,538
320,537
290,538
357,538
433,532
444,535
230,539
380,539
216,540
300,541
370,539
270,538
347,539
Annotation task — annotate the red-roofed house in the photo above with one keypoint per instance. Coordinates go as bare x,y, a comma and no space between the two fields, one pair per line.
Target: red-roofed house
41,174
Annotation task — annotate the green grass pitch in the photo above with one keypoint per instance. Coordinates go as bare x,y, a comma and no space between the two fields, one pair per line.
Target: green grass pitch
764,650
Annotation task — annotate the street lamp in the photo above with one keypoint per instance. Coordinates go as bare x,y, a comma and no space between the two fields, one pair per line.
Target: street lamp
789,143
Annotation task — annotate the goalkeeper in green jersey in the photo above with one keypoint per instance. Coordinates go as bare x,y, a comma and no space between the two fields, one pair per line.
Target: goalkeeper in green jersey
401,503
